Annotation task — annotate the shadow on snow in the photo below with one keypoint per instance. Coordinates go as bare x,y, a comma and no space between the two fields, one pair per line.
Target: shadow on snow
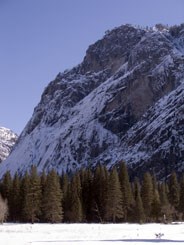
116,240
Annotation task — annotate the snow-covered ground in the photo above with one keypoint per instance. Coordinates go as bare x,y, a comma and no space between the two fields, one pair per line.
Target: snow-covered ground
91,234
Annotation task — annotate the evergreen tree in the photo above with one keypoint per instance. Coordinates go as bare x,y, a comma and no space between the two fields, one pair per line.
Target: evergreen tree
43,179
32,206
147,194
24,190
181,204
166,209
139,215
52,199
87,194
65,201
163,191
74,213
114,210
15,200
174,192
127,197
156,206
99,189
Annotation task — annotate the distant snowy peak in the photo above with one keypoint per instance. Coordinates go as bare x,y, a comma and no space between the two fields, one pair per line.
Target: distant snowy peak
7,140
109,107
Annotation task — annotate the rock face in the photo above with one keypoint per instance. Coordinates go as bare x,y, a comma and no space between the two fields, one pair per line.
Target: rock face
7,141
123,102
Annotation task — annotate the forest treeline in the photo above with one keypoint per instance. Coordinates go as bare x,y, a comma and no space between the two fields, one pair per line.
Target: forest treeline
92,196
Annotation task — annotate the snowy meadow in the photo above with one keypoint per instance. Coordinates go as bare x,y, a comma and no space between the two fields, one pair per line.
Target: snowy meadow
91,234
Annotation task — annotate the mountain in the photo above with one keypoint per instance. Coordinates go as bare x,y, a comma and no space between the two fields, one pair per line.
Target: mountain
7,141
123,102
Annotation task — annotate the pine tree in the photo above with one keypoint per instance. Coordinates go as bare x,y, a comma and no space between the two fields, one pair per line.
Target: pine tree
163,190
87,194
99,189
166,208
174,192
74,213
24,190
15,200
52,199
65,202
127,197
156,206
33,197
114,210
181,204
147,194
43,179
139,215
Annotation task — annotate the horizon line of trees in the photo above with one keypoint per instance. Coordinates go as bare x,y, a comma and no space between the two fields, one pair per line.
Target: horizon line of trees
99,196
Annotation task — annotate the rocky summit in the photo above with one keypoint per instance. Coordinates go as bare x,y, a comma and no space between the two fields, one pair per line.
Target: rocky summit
7,141
125,101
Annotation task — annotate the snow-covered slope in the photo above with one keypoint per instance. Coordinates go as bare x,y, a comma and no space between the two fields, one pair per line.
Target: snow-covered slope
7,141
118,104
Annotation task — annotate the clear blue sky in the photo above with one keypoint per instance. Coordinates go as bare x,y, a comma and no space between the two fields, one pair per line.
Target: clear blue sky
40,38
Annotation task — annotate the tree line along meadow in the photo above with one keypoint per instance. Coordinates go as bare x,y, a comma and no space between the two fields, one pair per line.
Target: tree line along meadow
99,196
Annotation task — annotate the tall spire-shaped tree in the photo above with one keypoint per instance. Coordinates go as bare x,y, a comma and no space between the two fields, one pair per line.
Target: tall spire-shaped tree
174,191
75,210
52,199
127,198
181,204
87,194
15,203
114,210
25,186
65,200
32,202
139,215
147,194
100,187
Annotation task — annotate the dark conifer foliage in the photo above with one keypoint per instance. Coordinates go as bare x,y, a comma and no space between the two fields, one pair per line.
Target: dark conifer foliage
87,196
32,208
99,196
64,181
25,186
114,208
99,189
74,203
147,195
174,191
139,215
181,203
52,199
127,197
15,200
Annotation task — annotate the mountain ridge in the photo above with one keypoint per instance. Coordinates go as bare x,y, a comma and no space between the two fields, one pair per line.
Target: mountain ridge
86,114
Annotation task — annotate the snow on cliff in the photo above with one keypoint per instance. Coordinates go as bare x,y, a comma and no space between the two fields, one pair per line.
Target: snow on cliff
123,102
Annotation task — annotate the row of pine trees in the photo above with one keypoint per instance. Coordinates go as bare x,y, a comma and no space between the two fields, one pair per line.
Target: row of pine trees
98,196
